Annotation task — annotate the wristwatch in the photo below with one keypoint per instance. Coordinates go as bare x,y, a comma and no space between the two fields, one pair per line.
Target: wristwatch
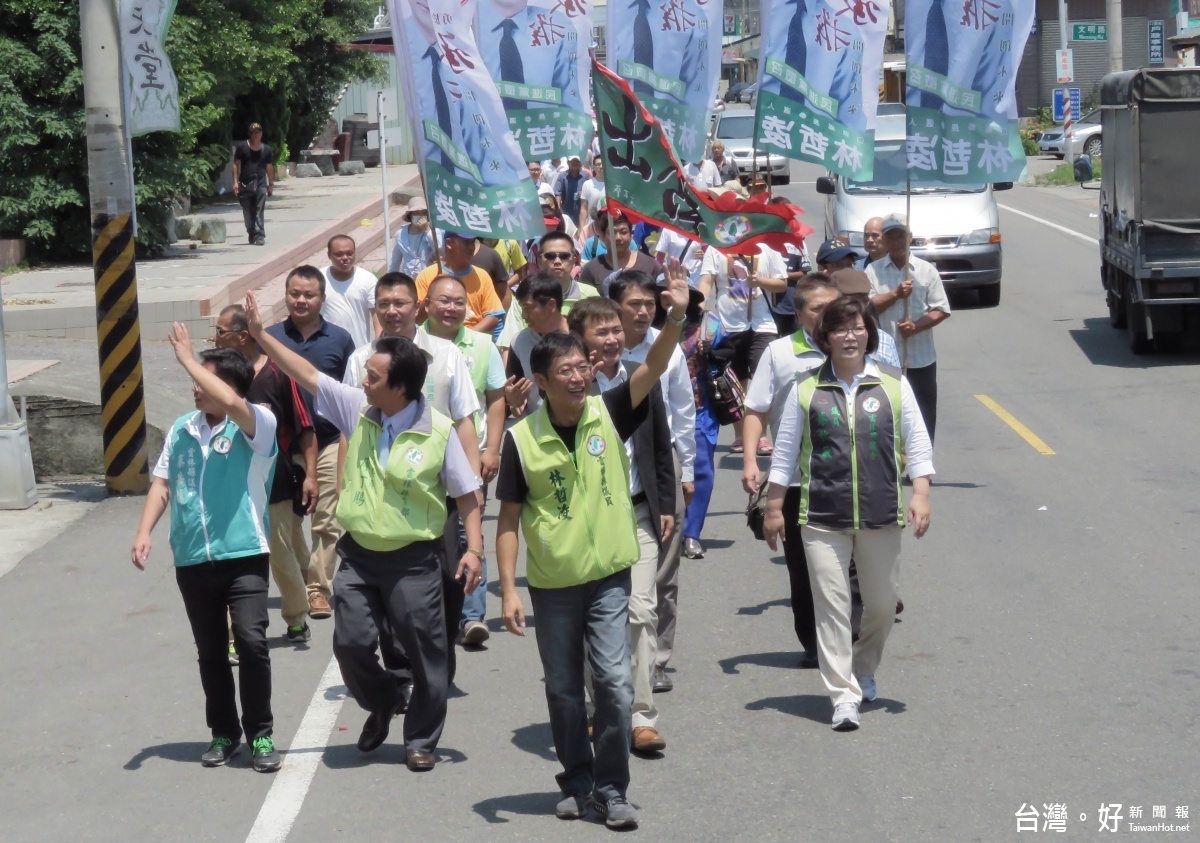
678,321
478,553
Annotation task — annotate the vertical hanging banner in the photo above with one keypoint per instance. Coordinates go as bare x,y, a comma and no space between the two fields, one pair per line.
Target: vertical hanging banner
670,52
150,89
476,180
962,58
817,90
645,181
538,56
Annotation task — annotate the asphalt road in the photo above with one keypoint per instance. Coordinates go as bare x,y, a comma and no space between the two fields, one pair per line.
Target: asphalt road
1048,651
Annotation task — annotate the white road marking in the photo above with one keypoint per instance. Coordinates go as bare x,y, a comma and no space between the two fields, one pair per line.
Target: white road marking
1095,241
286,796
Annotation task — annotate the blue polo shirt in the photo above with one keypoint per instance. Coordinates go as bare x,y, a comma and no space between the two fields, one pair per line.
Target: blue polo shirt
329,349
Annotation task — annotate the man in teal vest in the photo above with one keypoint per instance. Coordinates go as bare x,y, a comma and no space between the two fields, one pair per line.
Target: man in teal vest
564,482
446,308
402,460
214,473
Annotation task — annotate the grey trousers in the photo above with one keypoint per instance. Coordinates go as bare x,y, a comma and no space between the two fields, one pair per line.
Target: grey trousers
397,594
667,580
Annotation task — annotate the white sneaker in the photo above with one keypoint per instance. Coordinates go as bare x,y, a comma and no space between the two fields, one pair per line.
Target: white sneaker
475,633
845,717
869,689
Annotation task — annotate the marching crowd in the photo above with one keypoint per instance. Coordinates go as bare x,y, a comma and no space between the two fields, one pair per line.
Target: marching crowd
581,379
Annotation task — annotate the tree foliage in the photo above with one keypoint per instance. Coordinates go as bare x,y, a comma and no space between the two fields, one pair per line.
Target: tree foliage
278,62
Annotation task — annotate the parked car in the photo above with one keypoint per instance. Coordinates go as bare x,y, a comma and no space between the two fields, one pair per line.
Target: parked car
734,127
1084,137
748,93
736,88
956,227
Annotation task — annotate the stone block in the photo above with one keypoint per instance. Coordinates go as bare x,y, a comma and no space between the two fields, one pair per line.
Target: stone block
323,158
12,251
308,171
351,168
206,229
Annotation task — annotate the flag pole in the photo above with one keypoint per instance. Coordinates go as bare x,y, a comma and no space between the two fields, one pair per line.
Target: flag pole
907,260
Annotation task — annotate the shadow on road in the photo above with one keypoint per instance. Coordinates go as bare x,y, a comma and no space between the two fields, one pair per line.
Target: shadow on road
348,756
535,739
808,706
525,804
188,752
1104,345
762,607
789,659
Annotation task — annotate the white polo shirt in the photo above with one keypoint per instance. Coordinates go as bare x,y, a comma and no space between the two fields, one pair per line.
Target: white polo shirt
928,294
775,379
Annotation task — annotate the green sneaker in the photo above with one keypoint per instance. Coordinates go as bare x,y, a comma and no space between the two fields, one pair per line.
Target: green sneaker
233,656
266,759
219,751
299,634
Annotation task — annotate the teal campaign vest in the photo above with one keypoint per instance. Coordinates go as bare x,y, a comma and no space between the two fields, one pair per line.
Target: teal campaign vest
219,502
850,455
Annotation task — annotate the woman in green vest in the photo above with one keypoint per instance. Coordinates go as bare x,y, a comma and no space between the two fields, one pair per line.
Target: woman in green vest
845,428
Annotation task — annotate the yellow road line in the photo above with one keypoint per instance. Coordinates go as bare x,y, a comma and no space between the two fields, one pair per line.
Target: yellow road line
1022,431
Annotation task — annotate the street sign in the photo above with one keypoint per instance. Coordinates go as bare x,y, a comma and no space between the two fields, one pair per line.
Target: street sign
731,25
1076,102
1089,32
1065,62
1156,31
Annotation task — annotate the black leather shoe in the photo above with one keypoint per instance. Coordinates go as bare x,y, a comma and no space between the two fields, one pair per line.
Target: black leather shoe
375,730
419,761
660,683
809,660
405,697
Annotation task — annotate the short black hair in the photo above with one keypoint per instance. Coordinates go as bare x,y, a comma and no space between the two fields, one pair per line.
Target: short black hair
396,279
307,271
337,237
230,366
554,235
237,317
550,348
812,282
591,311
543,286
630,279
408,367
841,312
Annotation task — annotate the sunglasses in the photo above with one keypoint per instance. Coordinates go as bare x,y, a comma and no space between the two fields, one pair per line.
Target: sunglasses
557,256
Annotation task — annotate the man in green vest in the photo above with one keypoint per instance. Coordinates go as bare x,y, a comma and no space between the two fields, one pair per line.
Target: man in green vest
446,307
214,474
402,460
564,482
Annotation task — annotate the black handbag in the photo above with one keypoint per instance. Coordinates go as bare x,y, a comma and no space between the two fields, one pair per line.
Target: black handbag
724,388
756,510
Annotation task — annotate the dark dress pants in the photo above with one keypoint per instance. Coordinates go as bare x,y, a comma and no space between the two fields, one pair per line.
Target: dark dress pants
803,617
254,210
924,386
237,589
396,595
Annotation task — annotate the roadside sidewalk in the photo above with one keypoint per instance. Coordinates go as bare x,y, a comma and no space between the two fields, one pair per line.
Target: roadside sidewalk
192,282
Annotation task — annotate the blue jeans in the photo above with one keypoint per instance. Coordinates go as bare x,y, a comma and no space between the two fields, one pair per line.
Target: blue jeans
595,613
475,603
707,431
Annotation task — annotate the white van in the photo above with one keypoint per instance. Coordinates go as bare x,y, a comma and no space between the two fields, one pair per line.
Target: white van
955,227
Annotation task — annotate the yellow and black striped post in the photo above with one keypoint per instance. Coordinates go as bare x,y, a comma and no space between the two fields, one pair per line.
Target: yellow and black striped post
118,334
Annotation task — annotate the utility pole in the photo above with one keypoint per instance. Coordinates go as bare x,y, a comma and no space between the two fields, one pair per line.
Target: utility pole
1116,41
110,185
1064,44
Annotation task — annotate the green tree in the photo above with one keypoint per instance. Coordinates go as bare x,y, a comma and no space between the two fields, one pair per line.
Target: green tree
231,58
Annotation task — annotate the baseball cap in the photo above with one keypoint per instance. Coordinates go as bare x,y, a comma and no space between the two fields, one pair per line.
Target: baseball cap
545,190
852,282
460,235
835,250
255,127
893,221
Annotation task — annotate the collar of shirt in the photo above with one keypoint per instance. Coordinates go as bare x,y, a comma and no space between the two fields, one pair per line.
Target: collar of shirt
415,416
197,425
605,383
869,369
289,328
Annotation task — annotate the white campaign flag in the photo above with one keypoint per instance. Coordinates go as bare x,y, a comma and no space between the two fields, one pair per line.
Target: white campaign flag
476,180
151,92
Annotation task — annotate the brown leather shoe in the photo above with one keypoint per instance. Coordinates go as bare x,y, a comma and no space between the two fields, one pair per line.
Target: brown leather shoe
318,606
647,739
419,761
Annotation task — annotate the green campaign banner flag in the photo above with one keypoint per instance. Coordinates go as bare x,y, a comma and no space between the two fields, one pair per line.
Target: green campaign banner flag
962,58
645,181
816,91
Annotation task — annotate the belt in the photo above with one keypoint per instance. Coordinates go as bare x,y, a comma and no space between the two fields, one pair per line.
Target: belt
639,498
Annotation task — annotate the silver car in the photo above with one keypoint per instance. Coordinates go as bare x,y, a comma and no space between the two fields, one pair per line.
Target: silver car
1083,137
734,127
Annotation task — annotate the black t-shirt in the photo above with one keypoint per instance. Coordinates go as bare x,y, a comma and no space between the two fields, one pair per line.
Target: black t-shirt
488,259
595,271
252,164
280,394
510,482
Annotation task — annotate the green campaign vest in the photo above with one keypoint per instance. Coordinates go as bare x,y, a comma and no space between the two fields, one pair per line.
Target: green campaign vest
477,349
389,507
800,343
577,520
850,456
